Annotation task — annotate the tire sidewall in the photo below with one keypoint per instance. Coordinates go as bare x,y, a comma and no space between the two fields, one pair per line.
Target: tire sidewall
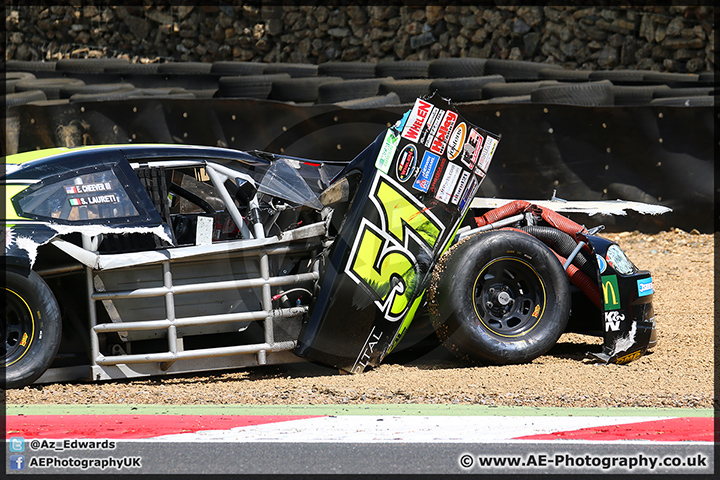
457,308
43,338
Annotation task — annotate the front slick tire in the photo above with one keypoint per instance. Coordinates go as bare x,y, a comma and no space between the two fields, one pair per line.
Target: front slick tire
499,298
31,327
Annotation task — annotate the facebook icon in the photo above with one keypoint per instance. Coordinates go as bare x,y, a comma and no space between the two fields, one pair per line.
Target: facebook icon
17,462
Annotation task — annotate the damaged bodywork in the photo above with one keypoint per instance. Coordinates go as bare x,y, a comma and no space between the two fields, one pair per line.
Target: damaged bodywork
133,260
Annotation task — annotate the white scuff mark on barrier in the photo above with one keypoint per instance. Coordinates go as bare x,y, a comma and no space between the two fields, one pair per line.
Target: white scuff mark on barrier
624,343
609,207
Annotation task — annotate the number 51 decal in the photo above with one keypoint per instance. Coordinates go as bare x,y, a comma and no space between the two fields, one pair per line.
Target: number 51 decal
382,258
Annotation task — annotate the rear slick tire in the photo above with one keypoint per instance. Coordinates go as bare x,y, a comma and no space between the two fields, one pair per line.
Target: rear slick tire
499,298
32,327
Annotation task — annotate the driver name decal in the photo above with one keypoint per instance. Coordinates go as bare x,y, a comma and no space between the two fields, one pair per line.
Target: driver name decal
96,200
88,188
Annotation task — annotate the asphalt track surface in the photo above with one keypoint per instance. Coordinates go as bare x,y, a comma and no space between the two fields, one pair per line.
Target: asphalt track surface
395,439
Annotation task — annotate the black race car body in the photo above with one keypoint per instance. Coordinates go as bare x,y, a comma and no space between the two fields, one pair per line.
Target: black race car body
134,260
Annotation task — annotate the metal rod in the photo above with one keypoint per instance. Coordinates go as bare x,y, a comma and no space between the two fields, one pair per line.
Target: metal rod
499,223
573,255
195,354
170,308
217,179
49,272
92,317
201,320
207,287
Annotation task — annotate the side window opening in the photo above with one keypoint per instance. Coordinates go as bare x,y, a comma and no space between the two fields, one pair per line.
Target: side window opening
197,213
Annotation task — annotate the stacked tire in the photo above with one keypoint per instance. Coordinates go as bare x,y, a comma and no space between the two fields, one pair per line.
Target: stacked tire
353,84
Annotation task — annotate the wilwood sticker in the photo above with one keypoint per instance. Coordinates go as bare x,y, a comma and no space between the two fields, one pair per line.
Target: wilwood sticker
448,182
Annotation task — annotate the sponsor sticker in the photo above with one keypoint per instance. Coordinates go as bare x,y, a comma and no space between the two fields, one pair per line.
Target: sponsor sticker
406,162
400,124
629,357
487,153
370,346
431,127
460,187
387,151
602,264
469,191
417,120
446,125
427,169
447,185
456,141
471,149
645,287
438,174
611,292
612,321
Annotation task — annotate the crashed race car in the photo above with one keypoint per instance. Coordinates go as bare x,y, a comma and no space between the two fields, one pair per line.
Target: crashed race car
136,260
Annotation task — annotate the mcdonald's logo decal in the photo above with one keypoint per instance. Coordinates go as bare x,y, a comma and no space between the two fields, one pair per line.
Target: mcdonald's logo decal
611,292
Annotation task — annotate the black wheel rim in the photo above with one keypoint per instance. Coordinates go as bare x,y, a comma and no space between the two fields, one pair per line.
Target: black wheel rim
509,297
18,329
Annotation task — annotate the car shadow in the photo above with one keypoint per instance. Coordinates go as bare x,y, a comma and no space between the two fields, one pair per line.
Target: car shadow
575,351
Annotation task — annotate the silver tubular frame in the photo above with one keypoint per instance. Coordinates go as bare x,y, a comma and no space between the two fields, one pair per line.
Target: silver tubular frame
175,351
170,273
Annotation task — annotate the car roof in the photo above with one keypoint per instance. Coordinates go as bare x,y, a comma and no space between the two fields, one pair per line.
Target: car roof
132,151
71,157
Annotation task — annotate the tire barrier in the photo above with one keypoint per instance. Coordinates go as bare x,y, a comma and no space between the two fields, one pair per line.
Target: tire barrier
462,79
591,135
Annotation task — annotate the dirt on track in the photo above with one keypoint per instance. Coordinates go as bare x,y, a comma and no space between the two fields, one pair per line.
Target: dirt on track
679,372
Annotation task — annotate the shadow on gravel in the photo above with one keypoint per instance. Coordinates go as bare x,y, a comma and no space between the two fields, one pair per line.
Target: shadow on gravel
426,355
575,351
250,374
